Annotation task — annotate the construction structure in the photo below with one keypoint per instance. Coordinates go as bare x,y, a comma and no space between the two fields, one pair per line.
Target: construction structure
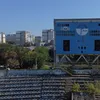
77,37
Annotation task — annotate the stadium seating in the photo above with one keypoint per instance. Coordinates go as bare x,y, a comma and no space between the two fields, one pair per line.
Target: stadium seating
38,84
32,86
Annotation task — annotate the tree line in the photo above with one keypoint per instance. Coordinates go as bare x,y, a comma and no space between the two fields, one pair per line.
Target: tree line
20,57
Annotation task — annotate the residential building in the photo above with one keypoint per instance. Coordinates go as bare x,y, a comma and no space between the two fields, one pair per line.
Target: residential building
23,37
11,38
2,37
33,39
38,40
20,38
47,35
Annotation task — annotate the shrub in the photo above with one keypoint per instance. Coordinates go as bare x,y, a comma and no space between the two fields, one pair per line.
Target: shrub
45,67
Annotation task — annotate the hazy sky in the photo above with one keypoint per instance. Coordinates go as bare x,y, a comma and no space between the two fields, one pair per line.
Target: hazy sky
35,15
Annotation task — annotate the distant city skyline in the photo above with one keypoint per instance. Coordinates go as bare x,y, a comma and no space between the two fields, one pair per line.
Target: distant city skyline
37,15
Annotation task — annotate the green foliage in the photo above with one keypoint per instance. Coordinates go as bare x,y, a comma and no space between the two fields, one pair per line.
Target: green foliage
97,87
20,51
93,88
76,87
43,51
11,56
29,59
4,48
90,88
12,63
41,56
45,67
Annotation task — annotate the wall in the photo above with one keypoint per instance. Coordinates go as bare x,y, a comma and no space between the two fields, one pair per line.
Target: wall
82,96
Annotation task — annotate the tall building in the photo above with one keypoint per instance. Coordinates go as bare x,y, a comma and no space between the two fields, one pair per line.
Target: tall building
11,38
47,35
33,39
20,38
38,40
23,37
2,37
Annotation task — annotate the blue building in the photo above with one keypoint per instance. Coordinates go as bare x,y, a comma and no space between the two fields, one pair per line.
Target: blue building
77,36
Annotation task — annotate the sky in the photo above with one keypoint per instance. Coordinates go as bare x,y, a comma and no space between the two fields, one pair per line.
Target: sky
36,15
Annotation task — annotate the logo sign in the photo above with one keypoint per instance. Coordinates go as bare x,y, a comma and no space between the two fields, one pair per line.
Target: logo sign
65,28
82,30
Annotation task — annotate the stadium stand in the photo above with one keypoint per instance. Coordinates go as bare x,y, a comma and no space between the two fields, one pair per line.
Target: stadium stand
39,84
33,85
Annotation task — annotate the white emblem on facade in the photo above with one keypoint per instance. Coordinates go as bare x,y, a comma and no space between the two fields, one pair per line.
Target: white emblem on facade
82,31
65,28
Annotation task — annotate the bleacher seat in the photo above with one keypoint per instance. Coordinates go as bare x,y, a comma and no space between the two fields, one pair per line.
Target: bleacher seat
32,85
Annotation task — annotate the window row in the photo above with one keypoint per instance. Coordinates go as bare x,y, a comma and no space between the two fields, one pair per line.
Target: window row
81,47
95,34
62,25
95,31
66,45
63,34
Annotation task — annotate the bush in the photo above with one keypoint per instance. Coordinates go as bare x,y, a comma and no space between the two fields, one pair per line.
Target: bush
93,88
45,67
76,87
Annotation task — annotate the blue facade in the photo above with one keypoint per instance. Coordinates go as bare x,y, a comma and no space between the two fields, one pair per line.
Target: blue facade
81,33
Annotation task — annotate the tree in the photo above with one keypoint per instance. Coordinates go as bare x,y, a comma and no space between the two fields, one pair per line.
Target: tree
20,51
90,88
76,87
11,59
10,54
97,87
12,63
41,56
6,51
29,60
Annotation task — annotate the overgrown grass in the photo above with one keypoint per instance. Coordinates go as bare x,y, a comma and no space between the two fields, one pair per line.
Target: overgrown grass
45,67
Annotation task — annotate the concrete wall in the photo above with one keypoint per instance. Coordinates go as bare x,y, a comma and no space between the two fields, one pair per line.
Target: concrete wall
3,73
35,72
82,96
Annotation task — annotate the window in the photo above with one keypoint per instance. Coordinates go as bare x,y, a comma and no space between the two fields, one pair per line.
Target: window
58,25
66,45
97,45
63,25
84,47
66,24
81,47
